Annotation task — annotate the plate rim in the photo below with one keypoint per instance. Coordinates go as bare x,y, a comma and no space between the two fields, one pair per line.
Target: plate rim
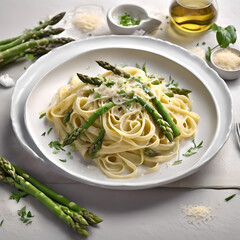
194,168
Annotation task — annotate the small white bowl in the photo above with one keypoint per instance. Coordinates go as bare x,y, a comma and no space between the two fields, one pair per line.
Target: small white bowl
225,74
147,24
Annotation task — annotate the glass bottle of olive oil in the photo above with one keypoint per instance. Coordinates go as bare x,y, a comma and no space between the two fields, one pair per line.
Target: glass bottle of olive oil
193,15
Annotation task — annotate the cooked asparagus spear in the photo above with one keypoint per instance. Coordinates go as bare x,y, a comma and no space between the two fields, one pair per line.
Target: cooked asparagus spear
114,69
71,137
91,80
54,20
97,143
31,35
164,126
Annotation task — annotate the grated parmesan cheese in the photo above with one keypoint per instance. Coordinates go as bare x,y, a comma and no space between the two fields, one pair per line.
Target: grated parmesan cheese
87,21
197,213
226,59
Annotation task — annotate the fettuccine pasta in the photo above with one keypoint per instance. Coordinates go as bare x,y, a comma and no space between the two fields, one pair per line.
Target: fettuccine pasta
130,130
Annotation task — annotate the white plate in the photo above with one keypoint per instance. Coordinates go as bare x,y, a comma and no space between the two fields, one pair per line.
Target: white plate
56,68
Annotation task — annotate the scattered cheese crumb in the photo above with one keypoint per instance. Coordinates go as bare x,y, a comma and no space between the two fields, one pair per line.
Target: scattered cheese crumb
6,81
87,21
197,213
226,59
198,51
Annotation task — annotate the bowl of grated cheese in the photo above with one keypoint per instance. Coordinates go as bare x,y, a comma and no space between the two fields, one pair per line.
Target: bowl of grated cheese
226,62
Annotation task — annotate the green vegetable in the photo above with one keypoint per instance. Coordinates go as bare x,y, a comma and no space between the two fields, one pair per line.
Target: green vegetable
90,80
164,126
128,20
97,143
56,144
171,81
1,223
25,217
146,89
50,129
18,195
68,211
150,152
179,91
190,151
71,137
114,69
42,115
66,117
224,37
32,42
177,162
230,197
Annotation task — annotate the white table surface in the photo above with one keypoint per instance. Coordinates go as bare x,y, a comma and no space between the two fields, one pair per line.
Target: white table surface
146,214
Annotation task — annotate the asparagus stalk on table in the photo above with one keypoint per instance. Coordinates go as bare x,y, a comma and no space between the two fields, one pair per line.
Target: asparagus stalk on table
156,102
54,20
31,35
71,213
21,50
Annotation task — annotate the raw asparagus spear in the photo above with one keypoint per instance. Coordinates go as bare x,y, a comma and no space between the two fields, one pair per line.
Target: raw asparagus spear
40,196
147,90
50,22
91,217
31,35
97,143
19,51
71,137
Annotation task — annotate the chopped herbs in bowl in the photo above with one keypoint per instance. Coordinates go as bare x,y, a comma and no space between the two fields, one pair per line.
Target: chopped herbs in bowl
127,20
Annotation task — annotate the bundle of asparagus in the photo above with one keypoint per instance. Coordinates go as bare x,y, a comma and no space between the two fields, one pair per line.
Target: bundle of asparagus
36,41
75,216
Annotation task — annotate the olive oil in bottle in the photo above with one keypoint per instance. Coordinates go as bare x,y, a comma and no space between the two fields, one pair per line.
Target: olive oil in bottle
193,15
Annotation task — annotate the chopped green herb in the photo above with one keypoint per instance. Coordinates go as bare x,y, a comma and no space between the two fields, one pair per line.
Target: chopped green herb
98,95
49,131
230,197
203,43
110,84
104,79
190,151
55,144
121,91
128,20
30,56
43,134
177,162
1,223
56,152
42,115
90,91
63,160
197,44
25,217
69,154
18,195
143,67
171,81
